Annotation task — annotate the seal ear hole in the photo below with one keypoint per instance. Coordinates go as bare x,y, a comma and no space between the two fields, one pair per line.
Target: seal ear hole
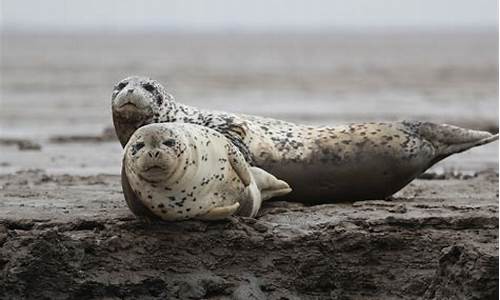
149,87
169,143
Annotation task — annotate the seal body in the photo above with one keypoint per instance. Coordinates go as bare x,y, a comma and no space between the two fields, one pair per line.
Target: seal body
367,160
178,171
321,164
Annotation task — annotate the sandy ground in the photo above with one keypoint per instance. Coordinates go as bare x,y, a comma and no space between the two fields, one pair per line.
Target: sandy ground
65,231
65,236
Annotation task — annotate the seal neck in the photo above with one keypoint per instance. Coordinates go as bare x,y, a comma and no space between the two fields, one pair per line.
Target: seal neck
177,112
124,129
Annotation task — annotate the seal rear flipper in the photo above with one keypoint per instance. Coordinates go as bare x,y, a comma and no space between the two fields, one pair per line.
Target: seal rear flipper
449,139
134,203
219,213
269,185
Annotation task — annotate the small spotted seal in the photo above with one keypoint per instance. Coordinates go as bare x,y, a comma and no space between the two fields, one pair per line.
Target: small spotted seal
321,164
182,171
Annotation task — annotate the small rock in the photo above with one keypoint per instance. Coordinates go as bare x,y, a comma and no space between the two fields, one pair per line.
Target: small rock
260,227
399,209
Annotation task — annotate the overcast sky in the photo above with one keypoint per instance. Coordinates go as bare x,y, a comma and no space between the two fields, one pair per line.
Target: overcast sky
247,14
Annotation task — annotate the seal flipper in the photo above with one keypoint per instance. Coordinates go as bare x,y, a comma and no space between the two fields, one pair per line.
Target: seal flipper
219,213
239,165
449,139
269,185
134,203
253,200
235,129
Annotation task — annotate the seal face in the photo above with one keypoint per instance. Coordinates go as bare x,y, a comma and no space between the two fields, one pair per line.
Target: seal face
322,164
181,171
131,104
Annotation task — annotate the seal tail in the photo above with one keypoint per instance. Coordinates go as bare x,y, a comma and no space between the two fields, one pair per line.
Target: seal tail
449,139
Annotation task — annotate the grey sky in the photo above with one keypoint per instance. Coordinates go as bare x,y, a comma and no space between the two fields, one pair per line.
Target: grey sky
247,14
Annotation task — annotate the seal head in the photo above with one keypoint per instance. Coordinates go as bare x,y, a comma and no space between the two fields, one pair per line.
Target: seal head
155,154
137,101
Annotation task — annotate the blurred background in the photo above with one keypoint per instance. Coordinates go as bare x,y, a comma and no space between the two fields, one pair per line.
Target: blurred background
316,62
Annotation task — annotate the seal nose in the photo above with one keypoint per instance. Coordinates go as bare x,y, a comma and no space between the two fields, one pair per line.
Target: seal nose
130,91
154,154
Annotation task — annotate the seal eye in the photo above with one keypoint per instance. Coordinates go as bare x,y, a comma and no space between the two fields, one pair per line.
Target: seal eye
148,87
120,86
137,147
169,143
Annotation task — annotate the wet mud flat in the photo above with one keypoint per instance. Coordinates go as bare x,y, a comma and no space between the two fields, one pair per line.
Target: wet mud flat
69,236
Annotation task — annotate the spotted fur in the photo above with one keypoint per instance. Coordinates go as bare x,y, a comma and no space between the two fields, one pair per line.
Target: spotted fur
182,171
322,164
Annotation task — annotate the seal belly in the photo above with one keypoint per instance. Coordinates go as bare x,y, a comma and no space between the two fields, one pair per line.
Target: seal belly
348,180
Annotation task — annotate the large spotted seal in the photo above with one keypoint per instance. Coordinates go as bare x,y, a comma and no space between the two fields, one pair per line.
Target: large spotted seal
321,164
180,171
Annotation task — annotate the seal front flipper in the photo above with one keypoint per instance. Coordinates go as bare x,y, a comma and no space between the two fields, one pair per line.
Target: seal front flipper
269,185
219,213
239,164
251,204
133,202
236,130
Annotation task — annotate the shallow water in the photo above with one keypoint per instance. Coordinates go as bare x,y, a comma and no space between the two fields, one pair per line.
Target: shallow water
61,84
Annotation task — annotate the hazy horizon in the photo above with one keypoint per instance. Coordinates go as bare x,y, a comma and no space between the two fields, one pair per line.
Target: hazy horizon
260,15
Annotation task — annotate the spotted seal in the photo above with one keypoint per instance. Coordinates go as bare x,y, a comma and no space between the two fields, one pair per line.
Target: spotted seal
180,171
321,164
